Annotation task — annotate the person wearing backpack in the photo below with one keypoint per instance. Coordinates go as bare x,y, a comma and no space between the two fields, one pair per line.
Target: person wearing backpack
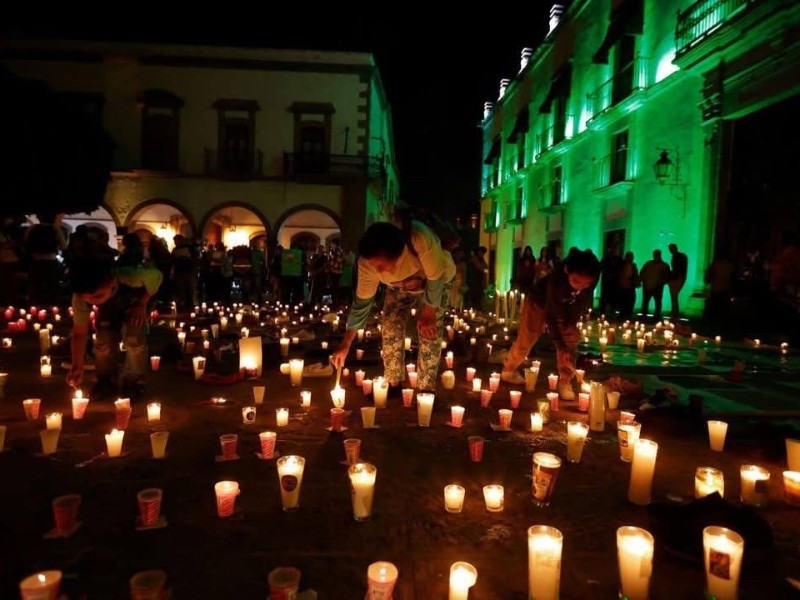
416,271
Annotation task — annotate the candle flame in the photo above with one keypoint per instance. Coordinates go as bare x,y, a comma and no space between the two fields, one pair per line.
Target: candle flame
41,577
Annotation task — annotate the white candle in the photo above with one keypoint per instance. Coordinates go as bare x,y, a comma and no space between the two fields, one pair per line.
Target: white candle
716,434
494,383
359,374
114,442
635,557
360,334
536,421
448,380
284,345
295,340
793,454
154,411
305,399
448,359
640,345
158,443
362,489
708,480
45,371
49,439
462,577
493,496
324,345
290,477
381,579
248,415
337,397
454,498
544,562
531,375
470,374
296,371
476,384
53,420
722,550
576,439
407,344
627,433
424,409
199,366
642,470
755,485
380,391
282,417
552,381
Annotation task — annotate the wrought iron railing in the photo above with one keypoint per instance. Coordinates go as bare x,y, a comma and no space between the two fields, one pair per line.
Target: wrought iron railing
610,169
702,18
552,136
343,165
630,78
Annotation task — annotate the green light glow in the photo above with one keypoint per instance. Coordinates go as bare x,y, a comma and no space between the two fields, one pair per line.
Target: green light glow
665,66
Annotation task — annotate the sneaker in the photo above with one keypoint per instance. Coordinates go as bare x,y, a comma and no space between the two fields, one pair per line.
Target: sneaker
512,377
565,391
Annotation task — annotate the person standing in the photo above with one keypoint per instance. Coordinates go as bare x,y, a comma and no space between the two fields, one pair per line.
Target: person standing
415,269
526,269
677,278
184,272
610,266
654,276
628,282
258,264
457,291
317,274
719,276
477,273
43,242
556,302
335,268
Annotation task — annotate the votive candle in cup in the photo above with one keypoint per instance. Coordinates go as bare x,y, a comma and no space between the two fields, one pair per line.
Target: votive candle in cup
368,417
643,467
258,394
380,392
576,440
337,397
494,497
290,478
158,443
424,409
515,396
226,492
579,375
154,411
366,386
31,407
149,501
359,354
337,419
248,415
228,443
612,398
546,468
305,399
408,396
352,450
454,498
723,549
531,376
54,420
79,405
494,383
114,442
791,487
536,421
362,489
44,585
282,417
199,366
49,440
471,374
381,579
296,371
793,454
627,434
716,435
457,415
755,485
462,577
476,384
635,559
267,439
583,401
359,377
504,416
486,397
448,360
413,378
552,381
284,346
448,380
544,562
155,363
708,480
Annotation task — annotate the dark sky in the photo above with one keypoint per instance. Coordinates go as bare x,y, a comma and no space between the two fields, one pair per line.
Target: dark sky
438,70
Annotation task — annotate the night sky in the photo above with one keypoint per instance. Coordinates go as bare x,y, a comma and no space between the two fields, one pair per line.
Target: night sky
438,71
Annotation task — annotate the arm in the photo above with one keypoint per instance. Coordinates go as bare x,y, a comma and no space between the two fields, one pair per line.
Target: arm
80,337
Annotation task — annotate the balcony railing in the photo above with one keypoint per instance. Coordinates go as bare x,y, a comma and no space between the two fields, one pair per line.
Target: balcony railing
222,165
551,136
490,221
336,165
621,85
609,170
702,18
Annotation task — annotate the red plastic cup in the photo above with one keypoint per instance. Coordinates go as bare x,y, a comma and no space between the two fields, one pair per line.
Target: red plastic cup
352,450
149,506
504,416
412,380
148,585
268,439
515,396
337,416
553,398
408,396
31,406
456,415
65,512
486,398
284,583
583,401
228,443
123,417
226,492
155,363
366,386
79,406
381,580
475,448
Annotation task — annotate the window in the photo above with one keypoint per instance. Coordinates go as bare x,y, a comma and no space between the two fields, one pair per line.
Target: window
559,119
519,207
313,147
237,123
623,68
619,157
160,130
555,186
521,151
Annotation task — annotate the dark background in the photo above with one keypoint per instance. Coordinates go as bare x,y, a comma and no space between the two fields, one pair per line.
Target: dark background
438,69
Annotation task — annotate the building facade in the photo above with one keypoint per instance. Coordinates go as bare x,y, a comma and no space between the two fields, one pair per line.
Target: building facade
230,144
616,131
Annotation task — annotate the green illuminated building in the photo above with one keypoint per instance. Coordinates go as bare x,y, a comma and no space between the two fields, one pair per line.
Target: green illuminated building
573,143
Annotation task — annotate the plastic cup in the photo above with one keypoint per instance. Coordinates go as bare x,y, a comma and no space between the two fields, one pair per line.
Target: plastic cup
49,438
381,579
546,468
613,400
226,492
228,442
44,585
476,443
268,440
258,394
148,585
486,398
352,450
155,363
504,417
408,397
793,454
515,396
368,417
627,434
362,489
65,512
123,417
149,506
284,583
583,401
531,375
158,443
31,406
337,417
366,386
457,415
576,440
290,478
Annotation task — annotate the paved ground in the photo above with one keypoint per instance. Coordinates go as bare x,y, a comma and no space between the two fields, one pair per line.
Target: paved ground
206,557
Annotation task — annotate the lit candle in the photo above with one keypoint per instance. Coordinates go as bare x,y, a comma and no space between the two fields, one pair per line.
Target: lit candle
755,485
448,380
7,343
708,480
544,562
635,556
552,381
158,443
640,345
791,487
462,577
471,374
493,496
360,334
362,489
324,345
583,401
368,417
716,434
248,415
536,421
380,391
424,409
531,375
199,366
494,382
412,379
53,420
722,550
407,344
41,586
454,498
305,399
290,477
295,340
359,375
182,339
576,439
337,397
457,415
366,386
154,411
282,417
627,433
603,343
49,439
296,371
226,492
718,340
642,469
46,370
114,442
448,359
223,323
476,384
473,341
155,362
284,344
381,579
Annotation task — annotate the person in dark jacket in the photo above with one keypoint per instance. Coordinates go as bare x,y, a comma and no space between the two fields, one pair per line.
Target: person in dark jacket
556,301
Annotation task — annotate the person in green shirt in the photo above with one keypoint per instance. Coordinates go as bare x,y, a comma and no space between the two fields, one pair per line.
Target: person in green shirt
121,295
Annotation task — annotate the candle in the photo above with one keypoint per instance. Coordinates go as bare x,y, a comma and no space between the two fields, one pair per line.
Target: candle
360,334
718,340
248,415
199,366
635,557
296,371
552,381
337,397
494,383
793,454
49,440
448,359
493,496
531,375
546,468
53,420
708,480
471,374
223,323
448,380
226,492
411,368
462,577
424,409
284,344
31,407
295,340
544,562
476,384
114,442
282,417
155,363
552,398
366,386
576,439
368,417
359,377
290,477
380,391
154,411
722,550
603,343
791,487
381,579
716,434
454,498
305,399
640,345
45,370
755,485
642,469
362,489
7,343
504,417
536,421
612,398
158,443
41,586
627,434
407,344
579,375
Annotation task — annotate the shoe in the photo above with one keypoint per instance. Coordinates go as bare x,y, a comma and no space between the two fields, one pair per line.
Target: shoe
512,377
565,391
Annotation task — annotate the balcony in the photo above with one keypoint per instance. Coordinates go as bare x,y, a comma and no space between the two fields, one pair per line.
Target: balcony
702,19
611,172
332,165
551,137
618,88
490,221
233,166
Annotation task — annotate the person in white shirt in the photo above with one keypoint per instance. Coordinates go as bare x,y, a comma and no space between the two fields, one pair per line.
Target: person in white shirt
416,271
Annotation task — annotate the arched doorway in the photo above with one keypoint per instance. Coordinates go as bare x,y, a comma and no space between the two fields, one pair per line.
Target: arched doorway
235,225
99,219
159,218
307,228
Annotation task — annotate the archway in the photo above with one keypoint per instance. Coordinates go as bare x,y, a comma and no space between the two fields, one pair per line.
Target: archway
161,218
308,225
100,219
234,225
